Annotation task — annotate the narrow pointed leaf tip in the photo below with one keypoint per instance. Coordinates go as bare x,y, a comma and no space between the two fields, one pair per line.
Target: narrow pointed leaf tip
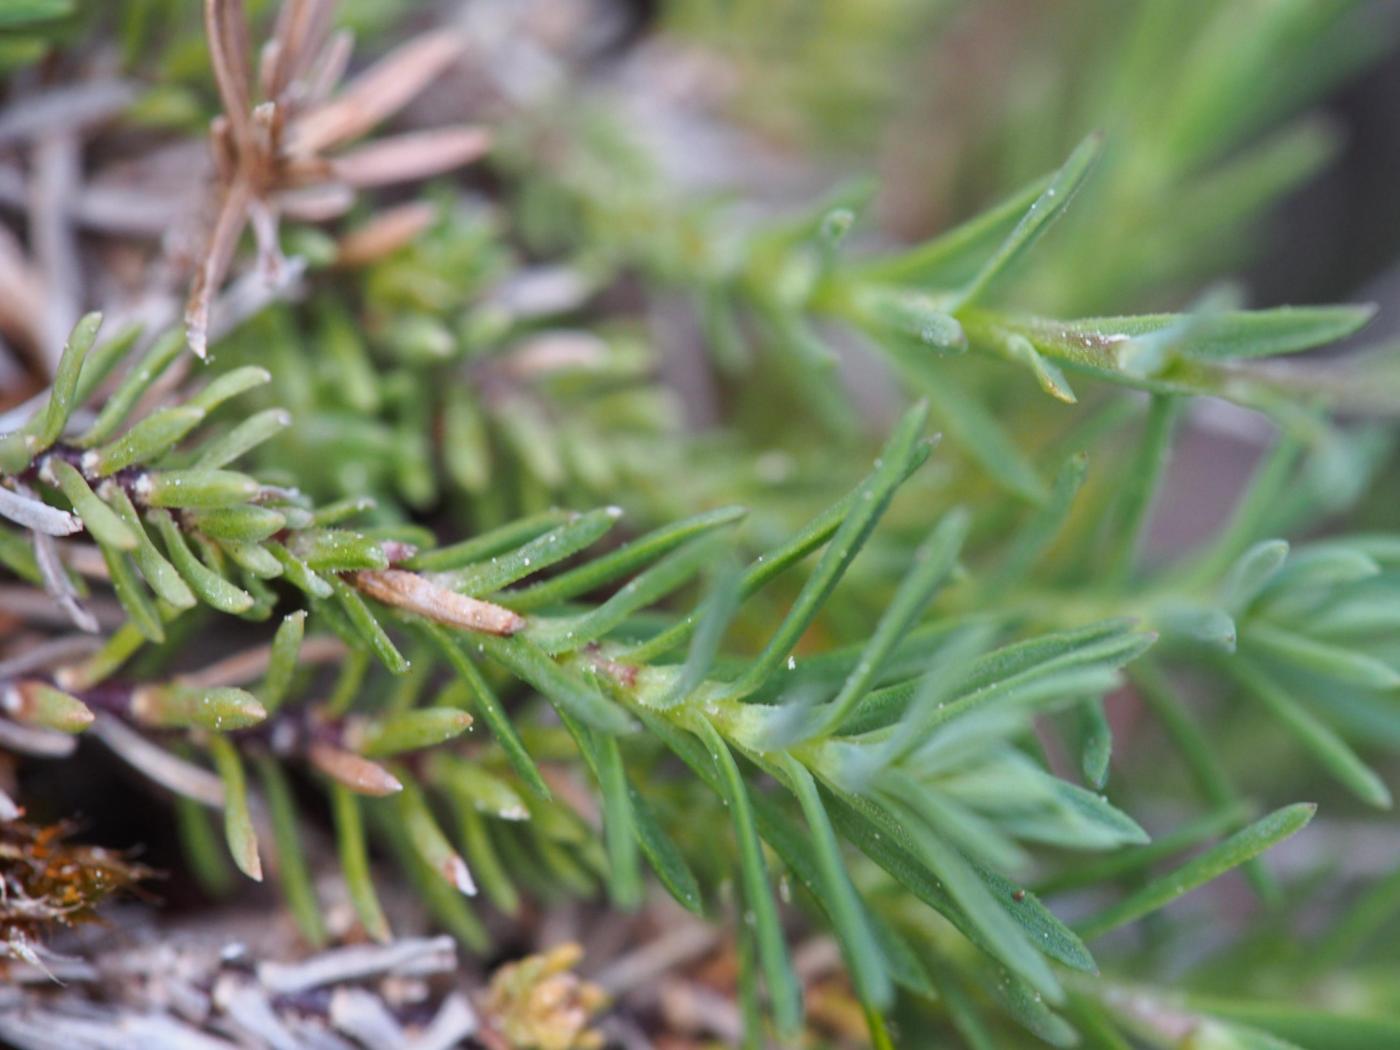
1239,848
1097,343
238,821
352,771
1053,200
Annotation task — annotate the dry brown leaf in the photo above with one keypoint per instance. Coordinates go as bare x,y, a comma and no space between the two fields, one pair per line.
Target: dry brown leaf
355,772
416,155
416,594
384,234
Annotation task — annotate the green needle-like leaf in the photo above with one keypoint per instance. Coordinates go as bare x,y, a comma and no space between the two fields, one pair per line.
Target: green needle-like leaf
486,861
242,439
1234,851
292,871
933,562
218,708
616,564
625,877
246,522
427,839
675,570
338,550
37,703
163,577
48,425
532,664
718,610
1251,573
238,822
124,398
956,255
1095,738
866,963
999,933
554,546
1036,220
147,440
761,915
1094,344
368,627
211,588
299,575
977,431
1140,485
1128,862
282,660
1324,658
131,592
196,489
99,519
1320,740
489,544
492,713
769,566
229,385
101,359
354,861
874,497
1044,524
411,730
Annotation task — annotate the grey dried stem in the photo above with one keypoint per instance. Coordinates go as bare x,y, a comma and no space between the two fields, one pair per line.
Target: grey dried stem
179,991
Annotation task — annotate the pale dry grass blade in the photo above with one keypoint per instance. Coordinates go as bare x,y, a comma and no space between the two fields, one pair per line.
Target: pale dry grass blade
250,664
158,764
36,608
263,219
551,352
358,774
385,233
46,654
251,293
36,515
31,740
56,581
321,203
378,92
297,41
415,155
329,67
279,53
